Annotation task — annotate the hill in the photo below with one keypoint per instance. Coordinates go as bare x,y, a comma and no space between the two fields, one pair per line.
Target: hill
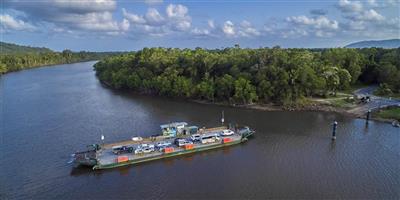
387,44
8,48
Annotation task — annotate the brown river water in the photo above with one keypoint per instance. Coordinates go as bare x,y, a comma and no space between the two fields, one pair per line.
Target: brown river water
50,112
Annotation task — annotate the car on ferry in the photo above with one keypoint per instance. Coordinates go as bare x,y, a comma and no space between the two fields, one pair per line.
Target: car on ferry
145,148
227,132
121,149
195,137
181,142
161,145
210,138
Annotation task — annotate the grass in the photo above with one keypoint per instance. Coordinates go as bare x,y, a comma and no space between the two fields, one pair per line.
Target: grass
341,103
390,113
354,87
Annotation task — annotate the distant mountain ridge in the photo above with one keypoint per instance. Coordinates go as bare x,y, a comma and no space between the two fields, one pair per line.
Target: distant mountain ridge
8,48
388,44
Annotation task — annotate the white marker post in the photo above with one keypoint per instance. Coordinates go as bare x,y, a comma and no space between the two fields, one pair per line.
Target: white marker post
102,139
222,119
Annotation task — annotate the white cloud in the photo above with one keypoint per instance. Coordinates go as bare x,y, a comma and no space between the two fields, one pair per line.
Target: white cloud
176,11
211,23
320,22
124,25
83,15
393,24
294,33
229,29
175,19
137,19
247,30
200,32
369,15
9,23
302,25
83,6
153,17
350,6
178,17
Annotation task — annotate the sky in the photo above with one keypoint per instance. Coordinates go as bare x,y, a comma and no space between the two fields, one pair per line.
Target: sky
125,25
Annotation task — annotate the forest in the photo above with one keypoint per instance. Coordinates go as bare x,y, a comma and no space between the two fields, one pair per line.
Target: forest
245,76
20,61
17,57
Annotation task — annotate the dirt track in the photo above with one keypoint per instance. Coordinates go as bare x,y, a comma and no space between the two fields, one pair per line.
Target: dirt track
375,103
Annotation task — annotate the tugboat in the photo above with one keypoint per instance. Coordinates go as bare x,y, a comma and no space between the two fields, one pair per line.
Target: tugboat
175,139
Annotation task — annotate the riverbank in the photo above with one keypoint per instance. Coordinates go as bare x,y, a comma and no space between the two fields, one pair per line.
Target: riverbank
315,106
271,107
388,113
48,65
338,104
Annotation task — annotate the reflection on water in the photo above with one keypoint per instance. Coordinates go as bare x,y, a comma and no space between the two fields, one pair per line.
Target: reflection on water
49,113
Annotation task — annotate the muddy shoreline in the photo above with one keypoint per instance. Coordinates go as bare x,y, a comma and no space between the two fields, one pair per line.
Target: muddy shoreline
311,107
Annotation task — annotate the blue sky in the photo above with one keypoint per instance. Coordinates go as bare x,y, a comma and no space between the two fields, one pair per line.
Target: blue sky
109,25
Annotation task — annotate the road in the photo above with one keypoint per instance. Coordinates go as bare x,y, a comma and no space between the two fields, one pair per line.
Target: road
375,103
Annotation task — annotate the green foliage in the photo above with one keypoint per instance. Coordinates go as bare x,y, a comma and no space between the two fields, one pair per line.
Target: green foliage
243,76
244,91
8,48
14,57
205,90
389,113
384,90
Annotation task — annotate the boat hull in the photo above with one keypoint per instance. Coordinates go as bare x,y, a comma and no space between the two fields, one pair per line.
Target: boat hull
168,155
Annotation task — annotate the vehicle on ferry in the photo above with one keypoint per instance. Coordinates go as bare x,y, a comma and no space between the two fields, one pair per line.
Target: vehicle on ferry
180,142
227,132
121,149
195,137
210,138
144,148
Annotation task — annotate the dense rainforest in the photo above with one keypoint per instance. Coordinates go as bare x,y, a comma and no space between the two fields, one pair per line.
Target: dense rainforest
16,57
243,76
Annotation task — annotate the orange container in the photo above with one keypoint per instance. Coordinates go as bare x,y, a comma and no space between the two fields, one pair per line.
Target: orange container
168,149
122,159
226,140
188,146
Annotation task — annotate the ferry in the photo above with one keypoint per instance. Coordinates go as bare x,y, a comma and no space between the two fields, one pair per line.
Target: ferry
176,139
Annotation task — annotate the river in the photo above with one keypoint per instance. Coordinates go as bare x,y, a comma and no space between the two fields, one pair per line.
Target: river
50,112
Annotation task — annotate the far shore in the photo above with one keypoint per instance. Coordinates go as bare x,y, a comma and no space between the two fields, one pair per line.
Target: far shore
314,106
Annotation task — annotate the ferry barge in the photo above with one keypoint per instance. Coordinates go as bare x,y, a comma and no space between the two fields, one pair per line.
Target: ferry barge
176,139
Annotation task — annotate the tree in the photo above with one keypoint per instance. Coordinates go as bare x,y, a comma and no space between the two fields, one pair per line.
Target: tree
3,68
331,78
277,75
205,90
245,92
265,90
224,87
344,79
